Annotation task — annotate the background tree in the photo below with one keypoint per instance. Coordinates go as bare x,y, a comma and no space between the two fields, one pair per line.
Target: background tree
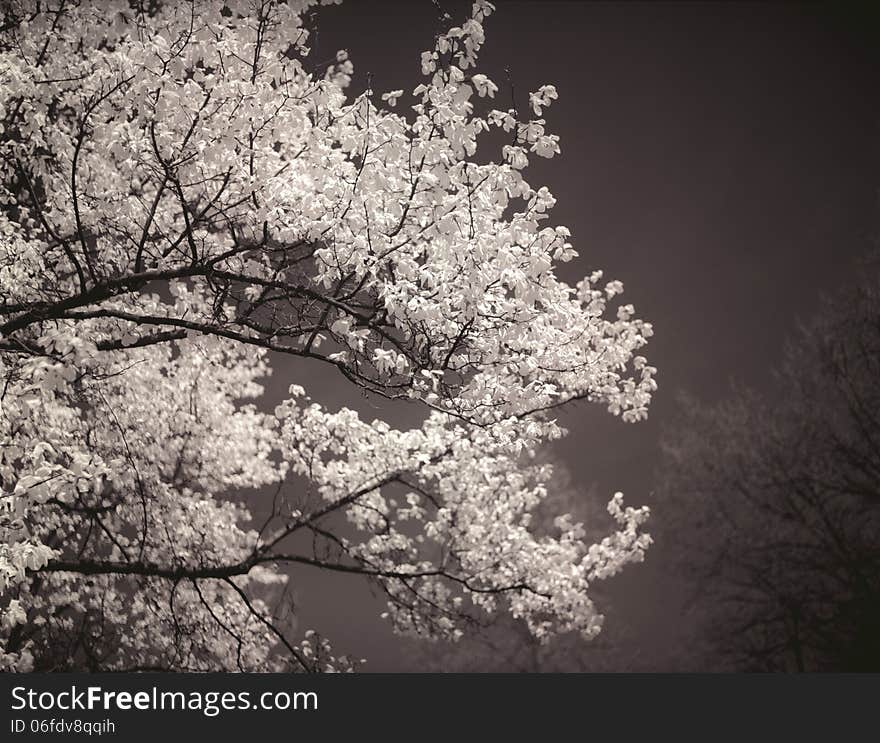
778,502
182,197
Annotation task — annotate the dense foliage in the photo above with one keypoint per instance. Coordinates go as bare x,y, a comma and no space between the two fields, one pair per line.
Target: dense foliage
182,198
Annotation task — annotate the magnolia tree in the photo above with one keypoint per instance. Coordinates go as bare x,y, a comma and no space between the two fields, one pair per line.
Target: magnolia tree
183,198
502,643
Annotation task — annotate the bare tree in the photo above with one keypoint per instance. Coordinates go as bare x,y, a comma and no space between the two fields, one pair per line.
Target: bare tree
777,502
185,197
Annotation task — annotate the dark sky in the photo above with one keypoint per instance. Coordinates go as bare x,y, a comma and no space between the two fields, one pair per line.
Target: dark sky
719,159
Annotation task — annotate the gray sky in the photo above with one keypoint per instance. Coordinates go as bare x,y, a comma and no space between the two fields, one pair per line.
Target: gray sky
719,159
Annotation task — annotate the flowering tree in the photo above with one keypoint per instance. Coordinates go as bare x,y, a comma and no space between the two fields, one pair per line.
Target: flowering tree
778,503
502,643
181,198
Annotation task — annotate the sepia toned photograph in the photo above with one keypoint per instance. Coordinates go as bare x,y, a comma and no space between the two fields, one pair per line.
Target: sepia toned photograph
435,337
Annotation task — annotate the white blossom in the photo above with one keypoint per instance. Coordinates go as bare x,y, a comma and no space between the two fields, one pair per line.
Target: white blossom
228,206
